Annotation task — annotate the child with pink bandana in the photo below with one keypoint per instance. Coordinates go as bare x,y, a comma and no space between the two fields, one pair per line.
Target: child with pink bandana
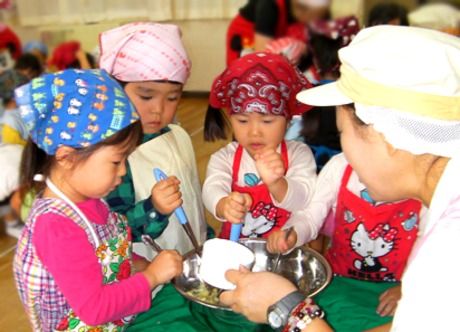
150,62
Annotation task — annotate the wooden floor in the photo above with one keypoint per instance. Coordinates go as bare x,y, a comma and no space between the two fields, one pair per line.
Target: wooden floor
12,318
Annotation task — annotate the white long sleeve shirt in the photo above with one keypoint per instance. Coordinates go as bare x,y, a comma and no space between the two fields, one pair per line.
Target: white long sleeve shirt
323,203
300,176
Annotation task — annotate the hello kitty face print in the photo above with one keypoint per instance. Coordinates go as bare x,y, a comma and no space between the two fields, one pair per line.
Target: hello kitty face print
372,245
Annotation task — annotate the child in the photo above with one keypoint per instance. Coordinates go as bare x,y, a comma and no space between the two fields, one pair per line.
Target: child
73,263
13,135
259,179
388,13
261,21
38,49
317,128
13,129
69,54
150,61
371,242
152,65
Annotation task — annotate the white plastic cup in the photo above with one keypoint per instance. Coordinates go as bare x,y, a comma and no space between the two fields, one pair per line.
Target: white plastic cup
221,255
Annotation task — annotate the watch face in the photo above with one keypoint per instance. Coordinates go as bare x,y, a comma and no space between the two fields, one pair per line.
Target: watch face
275,320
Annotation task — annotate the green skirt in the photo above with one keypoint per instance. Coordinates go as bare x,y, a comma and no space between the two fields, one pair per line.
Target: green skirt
224,321
170,311
350,305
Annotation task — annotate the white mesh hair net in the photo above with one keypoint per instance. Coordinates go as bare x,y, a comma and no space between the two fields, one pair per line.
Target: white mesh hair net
413,133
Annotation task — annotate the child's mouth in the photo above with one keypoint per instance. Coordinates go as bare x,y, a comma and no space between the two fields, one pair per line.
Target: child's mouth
256,146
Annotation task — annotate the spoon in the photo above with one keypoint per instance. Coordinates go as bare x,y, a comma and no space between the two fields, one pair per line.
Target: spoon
278,256
151,243
179,213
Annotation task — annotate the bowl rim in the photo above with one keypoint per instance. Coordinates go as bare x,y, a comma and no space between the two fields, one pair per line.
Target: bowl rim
315,253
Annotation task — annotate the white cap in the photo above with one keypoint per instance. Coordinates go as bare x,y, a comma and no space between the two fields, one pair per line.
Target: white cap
315,3
419,64
435,16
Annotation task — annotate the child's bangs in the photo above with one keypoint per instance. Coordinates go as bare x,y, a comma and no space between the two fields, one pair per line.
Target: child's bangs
128,139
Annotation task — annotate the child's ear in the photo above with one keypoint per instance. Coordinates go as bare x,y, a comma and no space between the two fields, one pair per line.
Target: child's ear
65,157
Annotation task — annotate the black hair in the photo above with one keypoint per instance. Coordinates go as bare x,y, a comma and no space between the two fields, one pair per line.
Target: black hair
383,13
216,125
36,161
319,127
12,48
325,53
29,62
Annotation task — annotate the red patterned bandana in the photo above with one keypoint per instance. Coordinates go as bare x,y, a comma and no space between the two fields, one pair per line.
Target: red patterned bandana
260,82
343,27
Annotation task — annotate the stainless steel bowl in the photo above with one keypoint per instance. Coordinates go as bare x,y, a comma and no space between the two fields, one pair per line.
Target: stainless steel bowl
305,267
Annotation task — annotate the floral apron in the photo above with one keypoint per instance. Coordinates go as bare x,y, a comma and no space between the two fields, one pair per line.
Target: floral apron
114,255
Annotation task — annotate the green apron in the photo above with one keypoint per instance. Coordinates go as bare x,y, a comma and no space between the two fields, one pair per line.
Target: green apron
170,311
350,305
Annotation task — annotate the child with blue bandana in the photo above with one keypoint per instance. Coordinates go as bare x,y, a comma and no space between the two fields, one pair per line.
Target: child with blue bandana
73,265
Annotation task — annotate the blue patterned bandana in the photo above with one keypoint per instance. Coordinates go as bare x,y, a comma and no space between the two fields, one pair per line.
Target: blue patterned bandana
75,108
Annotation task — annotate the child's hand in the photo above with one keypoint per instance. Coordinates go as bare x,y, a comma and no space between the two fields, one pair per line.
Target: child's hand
166,196
270,166
389,301
234,207
164,267
140,264
278,243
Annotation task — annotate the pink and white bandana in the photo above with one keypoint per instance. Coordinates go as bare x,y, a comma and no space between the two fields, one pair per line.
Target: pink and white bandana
144,51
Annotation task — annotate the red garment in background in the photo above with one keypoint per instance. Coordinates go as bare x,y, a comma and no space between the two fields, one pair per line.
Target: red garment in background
64,55
9,40
245,29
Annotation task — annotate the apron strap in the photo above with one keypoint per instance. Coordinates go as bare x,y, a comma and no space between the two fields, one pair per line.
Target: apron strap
239,154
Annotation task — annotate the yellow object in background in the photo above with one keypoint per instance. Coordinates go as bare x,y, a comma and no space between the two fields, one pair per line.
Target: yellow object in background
11,136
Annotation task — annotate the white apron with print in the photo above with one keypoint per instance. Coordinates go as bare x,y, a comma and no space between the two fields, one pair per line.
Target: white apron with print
172,152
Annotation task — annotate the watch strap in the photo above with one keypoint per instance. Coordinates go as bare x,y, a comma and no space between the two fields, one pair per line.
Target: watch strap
286,305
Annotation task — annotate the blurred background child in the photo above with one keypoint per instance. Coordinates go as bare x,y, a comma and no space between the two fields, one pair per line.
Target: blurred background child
261,21
70,54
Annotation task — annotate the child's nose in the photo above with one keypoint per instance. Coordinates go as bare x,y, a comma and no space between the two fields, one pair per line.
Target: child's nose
158,106
122,169
254,129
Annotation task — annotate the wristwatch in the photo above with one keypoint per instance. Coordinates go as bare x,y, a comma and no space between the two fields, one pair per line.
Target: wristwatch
278,313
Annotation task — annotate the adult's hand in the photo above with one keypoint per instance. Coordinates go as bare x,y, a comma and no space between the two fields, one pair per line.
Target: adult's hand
255,292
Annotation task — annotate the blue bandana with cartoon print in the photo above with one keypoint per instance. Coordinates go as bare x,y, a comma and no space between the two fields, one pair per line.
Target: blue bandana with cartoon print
75,108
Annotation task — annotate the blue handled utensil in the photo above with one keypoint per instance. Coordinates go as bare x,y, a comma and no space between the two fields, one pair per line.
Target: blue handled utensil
179,212
235,232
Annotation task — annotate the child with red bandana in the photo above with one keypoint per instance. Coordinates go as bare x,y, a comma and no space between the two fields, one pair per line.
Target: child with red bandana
259,179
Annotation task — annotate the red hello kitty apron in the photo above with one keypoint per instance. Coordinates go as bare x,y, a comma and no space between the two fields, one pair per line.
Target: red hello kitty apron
372,242
263,217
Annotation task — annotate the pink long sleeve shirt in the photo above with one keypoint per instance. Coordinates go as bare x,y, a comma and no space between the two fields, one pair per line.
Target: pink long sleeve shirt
64,249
